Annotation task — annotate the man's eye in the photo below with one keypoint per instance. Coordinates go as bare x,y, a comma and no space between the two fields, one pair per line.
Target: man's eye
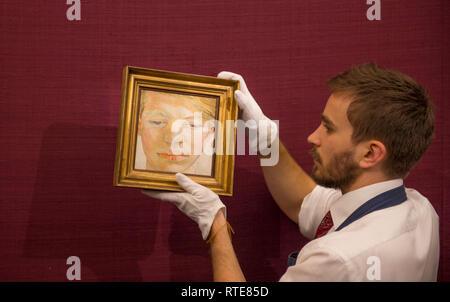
327,128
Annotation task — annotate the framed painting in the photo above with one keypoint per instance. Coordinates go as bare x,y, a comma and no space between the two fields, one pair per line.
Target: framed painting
173,122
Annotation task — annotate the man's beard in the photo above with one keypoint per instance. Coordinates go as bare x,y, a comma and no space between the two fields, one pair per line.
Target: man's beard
341,171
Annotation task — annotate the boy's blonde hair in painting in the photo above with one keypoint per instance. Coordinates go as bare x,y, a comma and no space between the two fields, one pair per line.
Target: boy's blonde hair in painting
202,104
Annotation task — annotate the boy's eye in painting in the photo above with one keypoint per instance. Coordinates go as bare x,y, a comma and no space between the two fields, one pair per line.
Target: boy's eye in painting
192,125
157,123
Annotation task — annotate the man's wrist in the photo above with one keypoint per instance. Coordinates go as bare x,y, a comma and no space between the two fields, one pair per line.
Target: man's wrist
218,222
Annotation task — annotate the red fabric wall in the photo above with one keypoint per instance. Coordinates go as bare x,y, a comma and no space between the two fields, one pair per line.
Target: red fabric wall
61,84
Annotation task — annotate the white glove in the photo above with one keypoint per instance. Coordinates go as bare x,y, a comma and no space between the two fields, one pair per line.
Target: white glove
266,129
198,203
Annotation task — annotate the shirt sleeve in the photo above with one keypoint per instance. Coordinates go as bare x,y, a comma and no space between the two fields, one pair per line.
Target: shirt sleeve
318,265
314,207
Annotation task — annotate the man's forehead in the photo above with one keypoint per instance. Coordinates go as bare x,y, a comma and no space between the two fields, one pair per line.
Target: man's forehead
336,108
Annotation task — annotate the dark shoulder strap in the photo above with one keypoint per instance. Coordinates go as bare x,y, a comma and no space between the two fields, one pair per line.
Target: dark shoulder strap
384,200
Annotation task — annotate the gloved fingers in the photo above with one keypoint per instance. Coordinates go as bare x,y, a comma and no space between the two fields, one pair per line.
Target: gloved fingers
186,183
151,193
273,131
249,106
242,100
234,76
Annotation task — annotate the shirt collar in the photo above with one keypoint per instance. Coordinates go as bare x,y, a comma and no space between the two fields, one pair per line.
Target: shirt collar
349,202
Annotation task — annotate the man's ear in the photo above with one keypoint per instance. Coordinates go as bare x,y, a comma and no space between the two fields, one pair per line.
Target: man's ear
374,153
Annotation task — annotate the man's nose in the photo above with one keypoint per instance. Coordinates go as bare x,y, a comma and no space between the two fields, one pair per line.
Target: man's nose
313,138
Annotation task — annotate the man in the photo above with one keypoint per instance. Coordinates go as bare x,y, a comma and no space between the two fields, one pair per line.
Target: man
365,225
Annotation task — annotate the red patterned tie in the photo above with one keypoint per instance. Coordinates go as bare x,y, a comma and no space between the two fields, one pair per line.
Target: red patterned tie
325,225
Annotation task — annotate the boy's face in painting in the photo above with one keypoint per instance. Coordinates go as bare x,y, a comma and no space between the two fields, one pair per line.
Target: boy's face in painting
160,112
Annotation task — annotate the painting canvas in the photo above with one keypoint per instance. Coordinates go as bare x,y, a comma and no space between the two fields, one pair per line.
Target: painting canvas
158,113
174,122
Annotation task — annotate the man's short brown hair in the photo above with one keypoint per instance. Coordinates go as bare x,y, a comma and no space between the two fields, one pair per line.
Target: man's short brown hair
391,107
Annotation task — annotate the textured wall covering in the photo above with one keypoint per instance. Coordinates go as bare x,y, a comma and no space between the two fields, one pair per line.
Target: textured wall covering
59,110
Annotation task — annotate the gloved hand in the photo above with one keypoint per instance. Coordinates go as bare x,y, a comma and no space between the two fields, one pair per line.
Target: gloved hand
266,129
198,203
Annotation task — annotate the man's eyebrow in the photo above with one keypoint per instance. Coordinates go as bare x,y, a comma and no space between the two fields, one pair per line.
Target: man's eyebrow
327,121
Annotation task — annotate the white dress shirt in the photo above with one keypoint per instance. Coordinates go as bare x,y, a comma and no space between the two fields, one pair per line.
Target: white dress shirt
399,243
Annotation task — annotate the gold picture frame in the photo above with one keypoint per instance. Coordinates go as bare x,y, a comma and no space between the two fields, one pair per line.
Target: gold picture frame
151,101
